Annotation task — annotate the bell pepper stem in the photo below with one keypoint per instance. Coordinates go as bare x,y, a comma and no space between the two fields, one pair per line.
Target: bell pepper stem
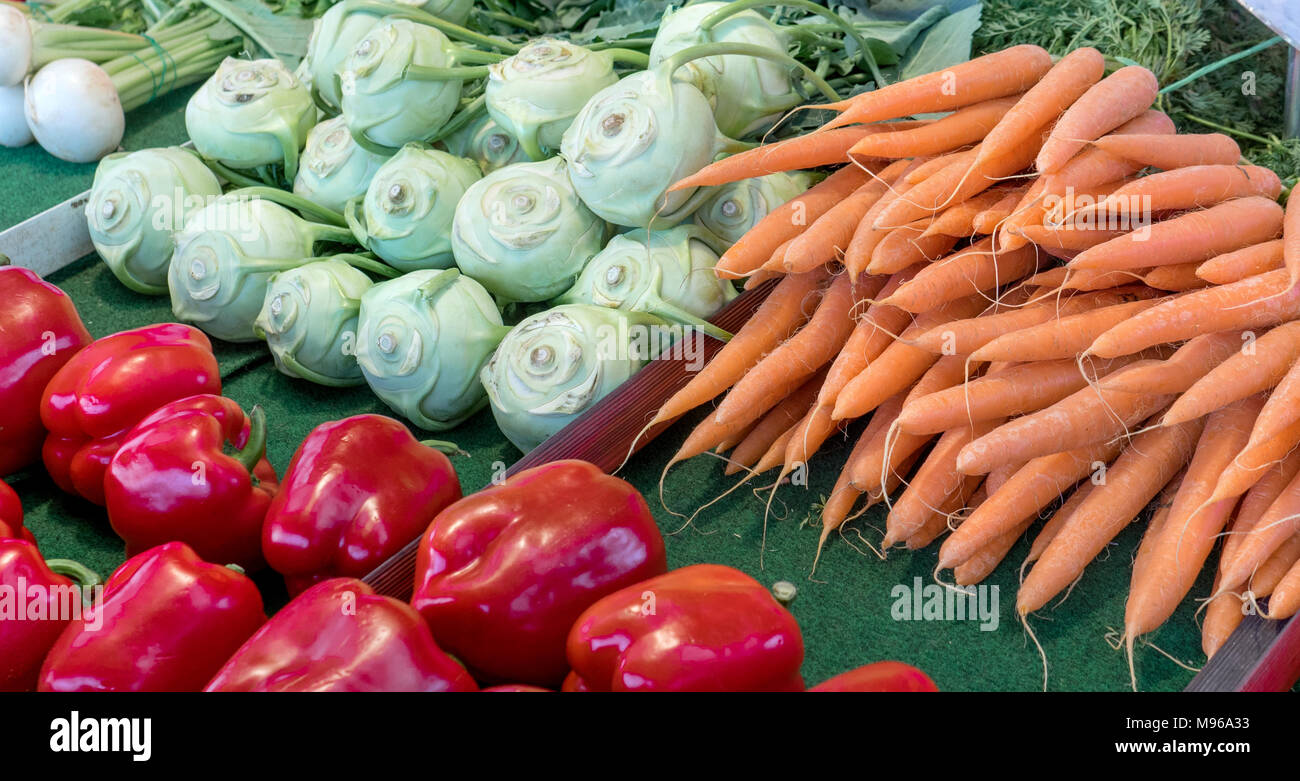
255,448
236,568
83,577
450,448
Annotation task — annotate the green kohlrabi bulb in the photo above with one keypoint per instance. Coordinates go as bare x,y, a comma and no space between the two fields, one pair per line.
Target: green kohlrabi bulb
486,143
748,94
251,113
522,232
335,34
385,101
554,365
334,169
309,320
224,258
422,340
632,141
138,200
666,273
536,93
406,214
732,209
454,11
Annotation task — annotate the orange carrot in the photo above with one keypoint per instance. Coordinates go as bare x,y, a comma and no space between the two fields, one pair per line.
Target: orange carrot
787,221
904,246
1007,72
1083,418
784,310
1254,504
1068,80
1280,411
1291,241
1064,337
829,235
1067,237
1278,524
1260,365
986,221
1237,265
962,127
958,220
762,275
925,168
1137,475
1193,187
1254,302
778,420
786,367
936,481
865,238
1285,601
1167,153
1187,365
1177,278
1059,519
1159,517
1116,99
1252,464
981,565
973,270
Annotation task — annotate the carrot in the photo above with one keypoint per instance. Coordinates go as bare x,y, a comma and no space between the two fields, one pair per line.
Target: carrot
1175,375
1065,337
1260,365
812,150
1253,506
836,509
1193,187
1251,465
1254,302
786,367
785,309
1021,389
1083,418
1285,600
787,221
986,221
830,234
929,167
904,246
1247,262
1268,578
1189,534
1223,615
1155,527
1198,235
936,482
1279,523
973,270
762,275
1177,278
1167,153
1037,484
958,220
778,420
865,238
981,565
1280,411
1088,280
1068,237
964,126
1007,72
1291,241
1067,81
1137,475
899,365
1106,105
1053,526
1227,610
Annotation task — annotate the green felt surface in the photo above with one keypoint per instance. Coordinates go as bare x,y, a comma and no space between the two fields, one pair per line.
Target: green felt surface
845,611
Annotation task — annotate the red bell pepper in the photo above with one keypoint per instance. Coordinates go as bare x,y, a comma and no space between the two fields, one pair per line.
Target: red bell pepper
37,600
502,574
356,492
879,677
11,516
340,635
40,331
95,399
700,628
171,481
167,622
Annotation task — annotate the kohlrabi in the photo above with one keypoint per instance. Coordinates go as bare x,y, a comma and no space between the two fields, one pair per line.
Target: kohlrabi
553,366
523,233
422,340
406,214
333,169
486,143
225,255
732,209
400,84
13,125
536,93
336,33
668,274
138,200
251,113
309,320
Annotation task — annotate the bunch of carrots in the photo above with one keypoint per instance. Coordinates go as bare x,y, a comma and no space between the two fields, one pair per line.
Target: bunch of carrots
1045,295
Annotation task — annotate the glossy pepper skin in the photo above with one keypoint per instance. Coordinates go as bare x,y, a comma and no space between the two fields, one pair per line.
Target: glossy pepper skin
25,639
701,628
168,621
95,399
879,677
356,492
171,481
11,516
339,635
40,331
502,574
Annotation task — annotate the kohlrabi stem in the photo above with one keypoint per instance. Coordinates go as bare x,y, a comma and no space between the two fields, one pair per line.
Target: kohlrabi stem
431,73
514,21
332,233
463,55
232,176
388,10
367,264
638,60
467,114
677,60
306,208
735,7
626,43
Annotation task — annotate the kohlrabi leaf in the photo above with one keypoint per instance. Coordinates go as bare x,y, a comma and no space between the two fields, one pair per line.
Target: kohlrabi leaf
946,43
268,34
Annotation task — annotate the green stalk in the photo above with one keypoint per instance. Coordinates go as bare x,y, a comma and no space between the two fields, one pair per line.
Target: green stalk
306,208
1214,66
149,73
465,56
454,31
1232,130
510,19
638,60
255,449
83,577
52,42
230,175
431,73
671,64
626,43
